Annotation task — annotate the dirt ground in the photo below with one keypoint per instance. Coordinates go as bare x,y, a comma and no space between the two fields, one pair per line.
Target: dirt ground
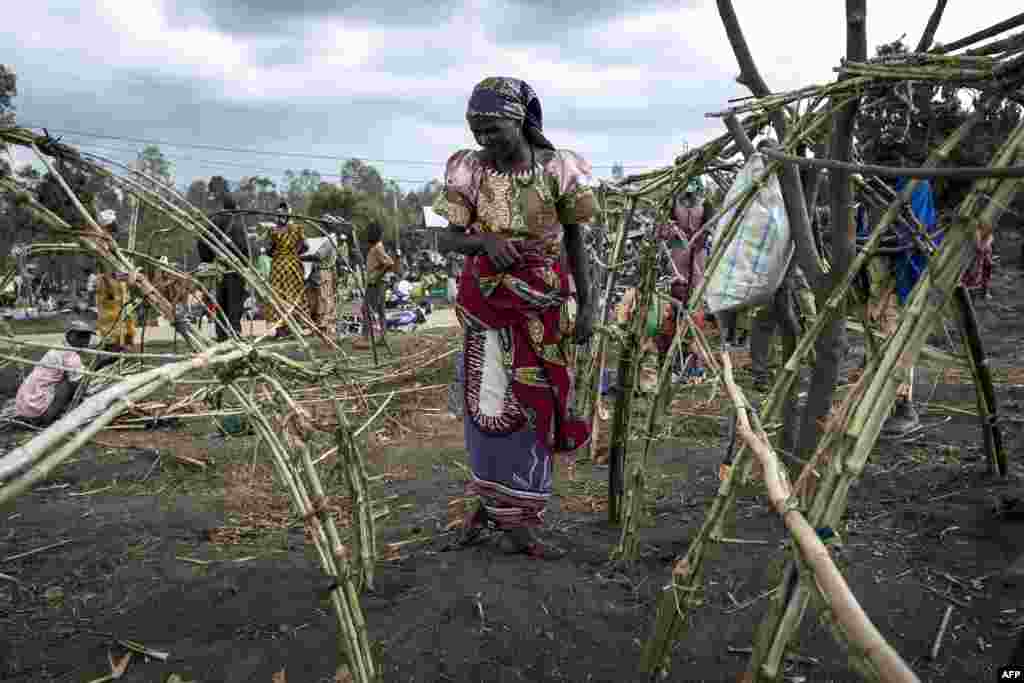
205,564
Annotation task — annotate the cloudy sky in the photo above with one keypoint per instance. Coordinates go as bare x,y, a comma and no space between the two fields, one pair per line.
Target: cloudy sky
307,84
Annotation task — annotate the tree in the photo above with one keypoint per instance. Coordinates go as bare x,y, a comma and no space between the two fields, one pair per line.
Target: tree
300,187
363,177
266,193
154,163
197,194
8,89
918,116
339,201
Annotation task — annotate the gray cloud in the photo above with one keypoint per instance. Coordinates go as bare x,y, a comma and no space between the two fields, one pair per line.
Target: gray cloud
63,90
274,17
561,24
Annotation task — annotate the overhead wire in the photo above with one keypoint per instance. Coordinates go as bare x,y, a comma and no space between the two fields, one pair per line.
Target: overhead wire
211,163
239,150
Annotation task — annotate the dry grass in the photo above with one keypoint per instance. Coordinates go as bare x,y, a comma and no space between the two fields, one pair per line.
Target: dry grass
590,504
255,503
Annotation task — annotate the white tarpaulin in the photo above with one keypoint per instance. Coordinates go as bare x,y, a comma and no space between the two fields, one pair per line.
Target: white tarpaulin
432,220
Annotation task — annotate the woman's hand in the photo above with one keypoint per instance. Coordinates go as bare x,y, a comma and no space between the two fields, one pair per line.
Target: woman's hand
584,324
502,252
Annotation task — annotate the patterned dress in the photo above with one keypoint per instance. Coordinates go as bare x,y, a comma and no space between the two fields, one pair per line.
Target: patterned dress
286,272
327,294
518,390
686,242
114,323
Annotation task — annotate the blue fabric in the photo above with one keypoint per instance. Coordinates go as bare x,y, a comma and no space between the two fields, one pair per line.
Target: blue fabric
907,266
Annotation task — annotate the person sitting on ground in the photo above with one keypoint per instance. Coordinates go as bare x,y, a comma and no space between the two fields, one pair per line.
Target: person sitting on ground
49,388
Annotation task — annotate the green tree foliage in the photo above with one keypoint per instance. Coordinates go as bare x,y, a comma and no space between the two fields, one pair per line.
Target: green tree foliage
917,117
153,163
300,188
362,177
8,90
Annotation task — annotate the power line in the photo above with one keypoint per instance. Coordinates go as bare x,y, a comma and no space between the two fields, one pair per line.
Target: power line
237,150
209,163
273,172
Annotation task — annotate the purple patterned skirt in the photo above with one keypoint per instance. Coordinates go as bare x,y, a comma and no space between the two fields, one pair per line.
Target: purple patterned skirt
511,467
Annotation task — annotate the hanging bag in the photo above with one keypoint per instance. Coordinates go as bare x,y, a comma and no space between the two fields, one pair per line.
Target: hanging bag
756,259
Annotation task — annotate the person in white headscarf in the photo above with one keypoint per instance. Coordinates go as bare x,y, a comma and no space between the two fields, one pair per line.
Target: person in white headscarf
115,324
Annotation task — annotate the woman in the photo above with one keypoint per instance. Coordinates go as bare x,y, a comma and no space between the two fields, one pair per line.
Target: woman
116,325
322,290
47,391
378,264
978,276
510,206
686,239
287,243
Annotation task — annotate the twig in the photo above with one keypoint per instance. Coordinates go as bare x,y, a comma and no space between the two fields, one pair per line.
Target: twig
93,491
942,632
742,606
19,556
795,658
744,541
948,598
143,650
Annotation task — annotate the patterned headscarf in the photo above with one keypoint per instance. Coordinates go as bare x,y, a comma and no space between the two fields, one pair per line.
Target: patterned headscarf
510,98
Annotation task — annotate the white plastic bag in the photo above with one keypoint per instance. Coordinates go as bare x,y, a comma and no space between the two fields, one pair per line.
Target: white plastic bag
755,261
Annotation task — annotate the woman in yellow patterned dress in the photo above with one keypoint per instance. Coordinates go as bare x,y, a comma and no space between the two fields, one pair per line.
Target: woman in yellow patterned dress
287,243
510,207
115,323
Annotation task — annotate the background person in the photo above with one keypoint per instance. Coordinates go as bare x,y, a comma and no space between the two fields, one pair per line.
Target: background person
46,392
114,324
378,264
287,277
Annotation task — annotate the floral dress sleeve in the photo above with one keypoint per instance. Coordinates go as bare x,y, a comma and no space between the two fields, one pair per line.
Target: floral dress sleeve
574,194
457,201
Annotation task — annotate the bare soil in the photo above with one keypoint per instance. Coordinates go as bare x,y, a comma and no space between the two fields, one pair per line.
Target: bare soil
205,564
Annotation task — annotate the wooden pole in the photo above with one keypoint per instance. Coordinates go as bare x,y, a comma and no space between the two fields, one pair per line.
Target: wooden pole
987,409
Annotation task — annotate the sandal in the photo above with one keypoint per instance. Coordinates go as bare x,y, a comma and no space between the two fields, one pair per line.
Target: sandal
524,542
473,529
